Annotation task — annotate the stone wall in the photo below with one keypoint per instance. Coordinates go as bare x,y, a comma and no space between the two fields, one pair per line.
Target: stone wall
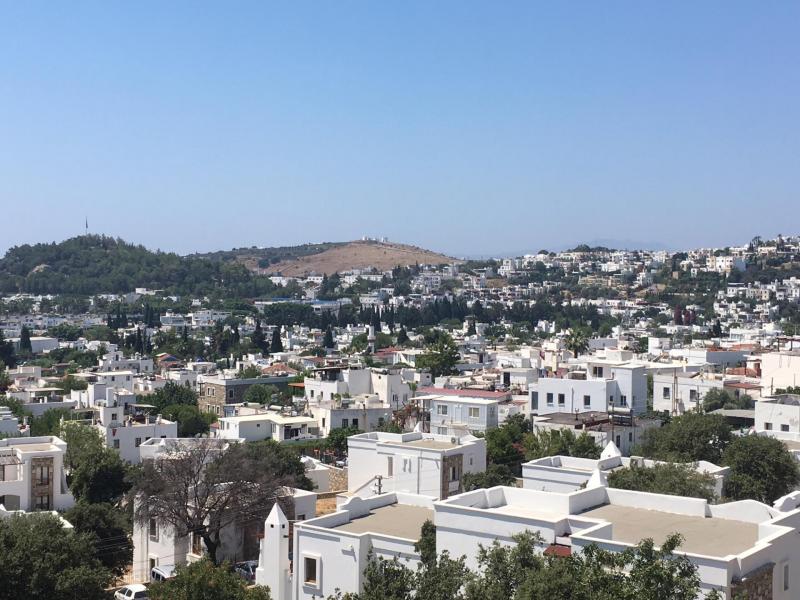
756,585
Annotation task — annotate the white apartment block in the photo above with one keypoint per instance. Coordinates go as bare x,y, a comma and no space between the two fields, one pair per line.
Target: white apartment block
416,463
780,370
603,387
126,434
330,383
32,474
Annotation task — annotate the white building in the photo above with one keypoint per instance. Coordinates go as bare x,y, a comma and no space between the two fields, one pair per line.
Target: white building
126,434
733,545
32,474
332,551
456,412
416,463
780,370
267,426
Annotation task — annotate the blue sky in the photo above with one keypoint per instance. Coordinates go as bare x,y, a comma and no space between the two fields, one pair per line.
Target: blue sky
470,128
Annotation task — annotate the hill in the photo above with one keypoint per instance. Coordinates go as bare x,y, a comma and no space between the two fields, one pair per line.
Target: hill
346,256
95,264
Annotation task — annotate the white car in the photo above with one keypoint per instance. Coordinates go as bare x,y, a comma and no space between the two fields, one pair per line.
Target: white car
130,592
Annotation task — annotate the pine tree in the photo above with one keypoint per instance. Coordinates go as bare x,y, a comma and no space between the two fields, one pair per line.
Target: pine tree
258,339
328,340
276,345
25,340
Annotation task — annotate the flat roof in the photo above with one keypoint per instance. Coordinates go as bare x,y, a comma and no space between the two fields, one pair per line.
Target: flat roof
429,444
701,535
397,520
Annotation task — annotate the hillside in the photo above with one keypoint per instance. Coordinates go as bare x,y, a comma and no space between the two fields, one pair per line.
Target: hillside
95,264
353,255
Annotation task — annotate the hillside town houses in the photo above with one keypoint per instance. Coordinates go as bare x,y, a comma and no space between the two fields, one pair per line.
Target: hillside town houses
392,386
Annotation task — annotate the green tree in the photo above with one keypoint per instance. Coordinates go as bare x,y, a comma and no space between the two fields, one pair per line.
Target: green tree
258,339
688,438
191,421
203,580
664,478
337,439
715,399
260,393
492,476
327,341
440,358
402,337
249,372
99,476
559,442
106,524
170,394
761,469
276,345
7,356
43,559
577,341
25,340
49,422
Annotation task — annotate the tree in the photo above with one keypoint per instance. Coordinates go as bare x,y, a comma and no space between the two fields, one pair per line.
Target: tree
43,559
203,580
105,524
715,399
84,444
197,489
761,469
277,344
170,394
7,357
249,372
337,439
327,341
25,340
688,438
260,393
441,357
563,442
492,476
191,422
577,342
102,478
664,478
258,339
402,336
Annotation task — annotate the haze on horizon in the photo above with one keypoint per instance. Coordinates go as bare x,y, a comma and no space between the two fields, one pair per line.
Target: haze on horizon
467,128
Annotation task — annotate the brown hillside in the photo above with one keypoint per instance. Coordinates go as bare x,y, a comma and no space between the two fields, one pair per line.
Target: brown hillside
358,255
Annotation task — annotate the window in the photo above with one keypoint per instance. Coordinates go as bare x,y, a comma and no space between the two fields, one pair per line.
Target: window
535,400
549,399
618,440
587,401
784,428
441,409
786,577
197,544
474,412
137,442
42,475
355,424
561,399
42,502
693,395
116,444
453,474
768,426
623,400
344,423
630,436
301,517
665,393
390,466
113,416
230,394
153,530
441,430
597,371
310,570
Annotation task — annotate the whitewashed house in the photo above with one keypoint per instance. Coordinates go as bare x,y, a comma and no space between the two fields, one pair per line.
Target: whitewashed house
32,474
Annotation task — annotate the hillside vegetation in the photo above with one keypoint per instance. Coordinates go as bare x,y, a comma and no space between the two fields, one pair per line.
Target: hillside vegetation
95,264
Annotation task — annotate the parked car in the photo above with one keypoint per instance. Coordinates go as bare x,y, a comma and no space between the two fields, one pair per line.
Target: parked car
162,572
130,592
246,569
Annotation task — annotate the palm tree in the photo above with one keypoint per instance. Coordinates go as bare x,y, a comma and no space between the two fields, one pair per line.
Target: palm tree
577,342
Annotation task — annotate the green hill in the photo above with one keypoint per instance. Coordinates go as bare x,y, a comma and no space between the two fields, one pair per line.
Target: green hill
94,264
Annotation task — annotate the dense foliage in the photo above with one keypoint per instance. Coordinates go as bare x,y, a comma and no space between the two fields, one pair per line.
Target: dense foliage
664,478
202,580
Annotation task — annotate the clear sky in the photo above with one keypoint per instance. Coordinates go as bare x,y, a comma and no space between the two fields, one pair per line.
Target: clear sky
470,128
